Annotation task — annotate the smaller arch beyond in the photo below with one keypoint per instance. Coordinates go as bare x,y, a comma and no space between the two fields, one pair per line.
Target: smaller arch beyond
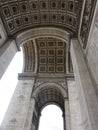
49,93
25,36
55,85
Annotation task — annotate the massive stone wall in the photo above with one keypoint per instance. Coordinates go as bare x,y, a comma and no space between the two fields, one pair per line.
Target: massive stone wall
92,51
18,109
74,107
7,52
87,96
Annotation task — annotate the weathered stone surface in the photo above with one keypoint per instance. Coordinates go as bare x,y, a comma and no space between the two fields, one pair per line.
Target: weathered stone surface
87,95
74,107
92,50
67,115
78,98
7,52
28,122
17,112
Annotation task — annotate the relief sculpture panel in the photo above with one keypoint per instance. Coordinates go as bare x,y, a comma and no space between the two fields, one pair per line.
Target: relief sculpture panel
86,21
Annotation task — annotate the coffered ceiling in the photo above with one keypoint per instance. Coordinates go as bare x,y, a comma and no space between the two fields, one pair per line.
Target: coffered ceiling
19,15
50,53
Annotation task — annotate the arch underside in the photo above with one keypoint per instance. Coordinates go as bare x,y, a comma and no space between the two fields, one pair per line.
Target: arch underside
49,95
20,15
45,94
50,54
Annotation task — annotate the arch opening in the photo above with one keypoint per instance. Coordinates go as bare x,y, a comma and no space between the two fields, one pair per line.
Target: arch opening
48,94
48,116
45,95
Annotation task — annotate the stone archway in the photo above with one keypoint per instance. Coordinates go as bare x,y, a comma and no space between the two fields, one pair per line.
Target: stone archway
50,84
31,41
47,93
56,21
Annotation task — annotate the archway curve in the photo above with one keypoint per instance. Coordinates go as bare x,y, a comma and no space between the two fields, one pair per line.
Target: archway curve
28,35
52,103
20,15
49,93
33,34
62,90
46,94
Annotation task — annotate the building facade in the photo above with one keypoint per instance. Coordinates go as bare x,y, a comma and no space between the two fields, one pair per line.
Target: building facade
60,50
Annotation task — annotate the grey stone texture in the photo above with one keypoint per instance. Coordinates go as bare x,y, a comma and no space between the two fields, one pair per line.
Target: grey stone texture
87,95
92,50
15,118
80,99
67,115
76,122
7,52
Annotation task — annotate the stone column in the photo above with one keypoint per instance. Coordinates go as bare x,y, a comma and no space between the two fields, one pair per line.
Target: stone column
74,107
28,122
7,52
87,96
67,115
17,112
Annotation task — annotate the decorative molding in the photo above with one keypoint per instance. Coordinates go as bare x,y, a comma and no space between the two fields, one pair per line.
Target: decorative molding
29,56
86,21
61,82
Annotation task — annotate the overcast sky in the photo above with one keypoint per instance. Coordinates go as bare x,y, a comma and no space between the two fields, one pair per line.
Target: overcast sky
51,118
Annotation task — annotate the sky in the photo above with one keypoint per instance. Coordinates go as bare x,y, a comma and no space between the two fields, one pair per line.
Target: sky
51,116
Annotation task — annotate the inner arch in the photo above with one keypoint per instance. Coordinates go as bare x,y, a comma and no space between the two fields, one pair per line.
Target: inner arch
44,95
49,95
